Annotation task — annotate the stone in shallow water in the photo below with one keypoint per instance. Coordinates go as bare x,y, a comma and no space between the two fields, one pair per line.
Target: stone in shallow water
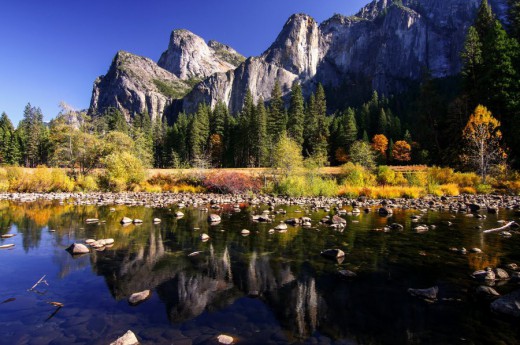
508,304
128,338
430,293
77,248
225,339
126,220
139,297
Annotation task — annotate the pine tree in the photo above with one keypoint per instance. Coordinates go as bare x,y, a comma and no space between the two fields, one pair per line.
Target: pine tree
484,20
472,60
276,122
322,134
33,138
514,18
218,118
199,134
382,122
261,116
351,130
296,115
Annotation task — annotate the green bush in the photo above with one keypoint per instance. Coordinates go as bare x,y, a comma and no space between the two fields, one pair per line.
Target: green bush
122,170
86,183
417,179
484,188
438,175
385,175
355,175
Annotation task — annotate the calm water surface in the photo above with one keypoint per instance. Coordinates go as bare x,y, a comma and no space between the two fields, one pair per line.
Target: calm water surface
260,289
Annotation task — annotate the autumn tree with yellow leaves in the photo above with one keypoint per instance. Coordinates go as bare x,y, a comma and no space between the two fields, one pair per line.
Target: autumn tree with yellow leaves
380,144
482,137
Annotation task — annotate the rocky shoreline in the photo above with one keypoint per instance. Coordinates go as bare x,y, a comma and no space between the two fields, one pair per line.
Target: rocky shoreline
463,203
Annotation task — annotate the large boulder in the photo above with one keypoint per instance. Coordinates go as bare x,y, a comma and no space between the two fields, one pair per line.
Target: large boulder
78,248
508,304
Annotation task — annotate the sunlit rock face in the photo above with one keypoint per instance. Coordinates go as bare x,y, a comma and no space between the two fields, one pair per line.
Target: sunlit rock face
135,84
387,46
189,57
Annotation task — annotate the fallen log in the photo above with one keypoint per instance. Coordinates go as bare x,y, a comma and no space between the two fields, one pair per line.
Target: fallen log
499,229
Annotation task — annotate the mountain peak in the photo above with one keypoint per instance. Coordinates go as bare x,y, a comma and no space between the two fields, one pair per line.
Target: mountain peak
190,58
296,48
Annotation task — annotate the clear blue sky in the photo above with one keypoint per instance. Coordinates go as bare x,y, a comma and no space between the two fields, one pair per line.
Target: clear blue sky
52,50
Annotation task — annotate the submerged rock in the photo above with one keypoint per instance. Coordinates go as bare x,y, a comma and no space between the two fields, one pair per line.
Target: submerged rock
128,338
333,253
139,297
508,304
429,293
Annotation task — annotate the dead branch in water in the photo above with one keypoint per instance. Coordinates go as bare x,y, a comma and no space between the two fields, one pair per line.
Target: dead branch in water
38,282
499,229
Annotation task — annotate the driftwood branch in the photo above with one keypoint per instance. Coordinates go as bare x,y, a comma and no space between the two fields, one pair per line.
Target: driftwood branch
38,282
499,229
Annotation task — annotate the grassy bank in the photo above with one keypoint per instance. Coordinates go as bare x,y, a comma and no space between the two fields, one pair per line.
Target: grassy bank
349,180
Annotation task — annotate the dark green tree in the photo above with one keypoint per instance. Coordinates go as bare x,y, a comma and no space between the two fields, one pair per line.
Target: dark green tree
296,115
276,121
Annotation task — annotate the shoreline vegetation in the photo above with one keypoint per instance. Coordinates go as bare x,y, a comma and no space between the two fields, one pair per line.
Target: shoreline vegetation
350,181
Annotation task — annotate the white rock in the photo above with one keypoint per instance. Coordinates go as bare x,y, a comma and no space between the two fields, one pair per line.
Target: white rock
225,339
139,297
128,338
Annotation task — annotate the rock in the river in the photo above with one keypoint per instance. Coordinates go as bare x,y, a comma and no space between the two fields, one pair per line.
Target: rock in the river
156,220
508,304
225,339
204,237
245,232
214,218
128,338
333,253
397,227
138,221
430,293
487,291
338,220
347,273
385,211
476,250
77,248
139,297
91,220
281,227
501,274
126,220
179,214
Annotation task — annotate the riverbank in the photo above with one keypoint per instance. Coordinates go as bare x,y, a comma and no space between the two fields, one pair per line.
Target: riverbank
347,181
491,203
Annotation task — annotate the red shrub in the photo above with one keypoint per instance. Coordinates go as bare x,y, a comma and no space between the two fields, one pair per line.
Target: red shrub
231,182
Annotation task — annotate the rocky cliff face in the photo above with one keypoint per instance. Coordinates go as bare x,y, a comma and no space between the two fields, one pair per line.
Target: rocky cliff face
190,58
387,45
135,84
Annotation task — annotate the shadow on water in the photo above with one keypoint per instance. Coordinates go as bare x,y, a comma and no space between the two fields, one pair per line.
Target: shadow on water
262,288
